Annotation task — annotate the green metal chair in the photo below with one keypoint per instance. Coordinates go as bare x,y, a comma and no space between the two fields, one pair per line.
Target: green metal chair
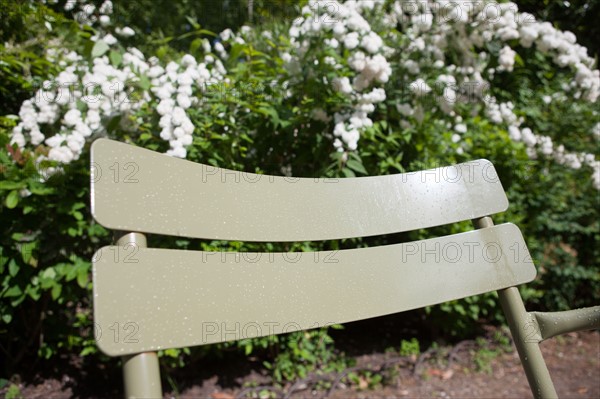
147,299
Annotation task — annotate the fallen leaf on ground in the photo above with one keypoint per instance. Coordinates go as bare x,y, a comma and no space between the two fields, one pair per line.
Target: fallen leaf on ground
221,395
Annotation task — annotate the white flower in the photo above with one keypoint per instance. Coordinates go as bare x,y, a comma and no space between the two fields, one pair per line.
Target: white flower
178,116
357,61
178,152
184,101
70,4
333,43
371,42
109,39
572,161
219,47
187,139
377,95
596,130
460,128
206,45
420,87
422,22
188,60
226,34
61,154
412,67
342,85
178,132
286,57
166,133
528,35
351,40
106,7
18,138
545,143
125,32
514,133
188,127
528,137
72,117
506,59
93,118
405,109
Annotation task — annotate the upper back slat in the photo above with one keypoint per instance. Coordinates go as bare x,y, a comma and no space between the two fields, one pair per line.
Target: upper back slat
134,189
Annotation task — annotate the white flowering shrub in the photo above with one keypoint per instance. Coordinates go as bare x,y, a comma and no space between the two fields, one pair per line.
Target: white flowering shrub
448,59
342,89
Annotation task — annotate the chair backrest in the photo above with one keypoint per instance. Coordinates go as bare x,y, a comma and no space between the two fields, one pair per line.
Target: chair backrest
162,298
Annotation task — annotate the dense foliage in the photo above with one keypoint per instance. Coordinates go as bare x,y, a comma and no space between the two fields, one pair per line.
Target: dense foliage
339,90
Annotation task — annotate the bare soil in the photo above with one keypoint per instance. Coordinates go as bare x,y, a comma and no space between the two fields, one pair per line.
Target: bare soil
449,372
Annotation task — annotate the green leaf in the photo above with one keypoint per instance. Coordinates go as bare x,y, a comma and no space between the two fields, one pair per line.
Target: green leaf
34,292
196,44
115,58
49,274
11,185
13,268
348,172
27,250
144,82
193,22
12,199
56,290
82,278
100,47
13,292
356,166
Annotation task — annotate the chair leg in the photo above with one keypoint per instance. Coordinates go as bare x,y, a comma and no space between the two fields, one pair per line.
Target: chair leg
526,335
141,375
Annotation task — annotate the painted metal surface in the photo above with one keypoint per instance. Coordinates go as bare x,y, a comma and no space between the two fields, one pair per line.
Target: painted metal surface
141,371
135,189
160,298
551,324
522,326
141,376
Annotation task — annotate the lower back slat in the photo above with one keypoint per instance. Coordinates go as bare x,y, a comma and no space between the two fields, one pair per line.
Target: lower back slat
149,299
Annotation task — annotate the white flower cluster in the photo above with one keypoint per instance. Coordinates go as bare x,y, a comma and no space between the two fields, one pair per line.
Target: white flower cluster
439,51
342,27
174,86
84,97
560,45
506,59
435,29
81,97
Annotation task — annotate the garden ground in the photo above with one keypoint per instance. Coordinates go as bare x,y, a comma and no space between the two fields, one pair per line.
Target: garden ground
482,368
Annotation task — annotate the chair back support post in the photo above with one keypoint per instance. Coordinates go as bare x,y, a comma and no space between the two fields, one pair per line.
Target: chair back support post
525,332
141,372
